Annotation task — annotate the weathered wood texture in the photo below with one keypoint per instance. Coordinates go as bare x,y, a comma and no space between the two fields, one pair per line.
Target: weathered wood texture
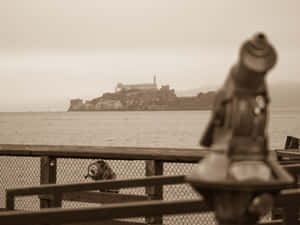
57,190
48,167
122,153
154,168
48,173
111,211
292,168
97,214
9,202
291,204
288,200
191,155
273,222
102,197
289,154
108,222
105,184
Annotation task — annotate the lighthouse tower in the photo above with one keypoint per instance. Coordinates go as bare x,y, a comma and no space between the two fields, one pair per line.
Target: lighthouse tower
154,80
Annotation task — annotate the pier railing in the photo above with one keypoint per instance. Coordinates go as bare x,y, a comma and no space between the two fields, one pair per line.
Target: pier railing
288,200
28,165
155,162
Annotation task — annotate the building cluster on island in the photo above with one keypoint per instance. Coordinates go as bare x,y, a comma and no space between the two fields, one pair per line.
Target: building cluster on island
143,97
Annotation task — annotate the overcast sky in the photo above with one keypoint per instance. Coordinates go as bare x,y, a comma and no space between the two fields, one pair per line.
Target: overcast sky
52,51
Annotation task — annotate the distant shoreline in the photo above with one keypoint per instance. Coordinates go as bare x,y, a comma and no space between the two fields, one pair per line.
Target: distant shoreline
171,110
271,109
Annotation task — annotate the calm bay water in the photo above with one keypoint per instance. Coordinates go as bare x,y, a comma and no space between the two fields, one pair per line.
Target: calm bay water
150,129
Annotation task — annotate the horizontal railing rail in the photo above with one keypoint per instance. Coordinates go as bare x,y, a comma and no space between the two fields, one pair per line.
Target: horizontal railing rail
112,211
59,189
289,154
288,200
104,152
185,155
101,197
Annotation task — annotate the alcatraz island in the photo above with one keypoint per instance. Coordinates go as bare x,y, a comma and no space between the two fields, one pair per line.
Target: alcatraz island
143,97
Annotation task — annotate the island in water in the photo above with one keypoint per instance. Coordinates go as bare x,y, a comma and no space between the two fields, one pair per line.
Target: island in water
139,97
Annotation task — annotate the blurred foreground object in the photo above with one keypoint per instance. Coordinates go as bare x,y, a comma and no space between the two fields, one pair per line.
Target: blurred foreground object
291,142
240,176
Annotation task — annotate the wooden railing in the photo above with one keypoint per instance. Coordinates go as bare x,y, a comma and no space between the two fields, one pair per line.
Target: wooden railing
52,195
103,152
59,191
48,154
288,200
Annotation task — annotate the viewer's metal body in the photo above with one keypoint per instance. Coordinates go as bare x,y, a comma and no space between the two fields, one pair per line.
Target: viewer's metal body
240,177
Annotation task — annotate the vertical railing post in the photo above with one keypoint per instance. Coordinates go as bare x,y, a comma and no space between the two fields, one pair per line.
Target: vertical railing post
292,143
48,176
154,168
10,201
290,215
291,211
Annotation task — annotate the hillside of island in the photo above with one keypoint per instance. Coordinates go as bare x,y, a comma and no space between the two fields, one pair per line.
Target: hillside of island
143,97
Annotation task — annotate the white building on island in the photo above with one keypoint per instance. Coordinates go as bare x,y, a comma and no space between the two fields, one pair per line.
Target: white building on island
146,86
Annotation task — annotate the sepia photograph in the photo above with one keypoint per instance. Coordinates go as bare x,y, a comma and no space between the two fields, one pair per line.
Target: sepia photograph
152,112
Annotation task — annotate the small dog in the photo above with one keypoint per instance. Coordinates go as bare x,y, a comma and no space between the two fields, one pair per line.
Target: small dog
100,170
